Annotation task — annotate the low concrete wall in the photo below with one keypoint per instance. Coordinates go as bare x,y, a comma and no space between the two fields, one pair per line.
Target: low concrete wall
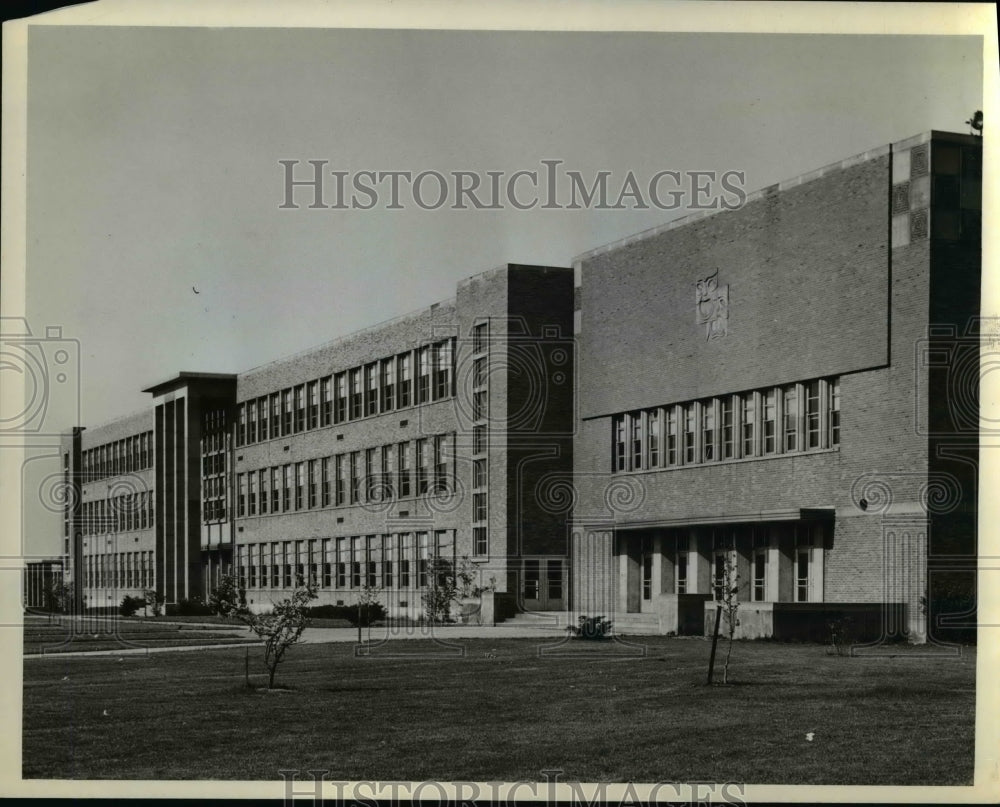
814,621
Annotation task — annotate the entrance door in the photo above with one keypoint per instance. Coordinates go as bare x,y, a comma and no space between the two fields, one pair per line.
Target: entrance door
543,586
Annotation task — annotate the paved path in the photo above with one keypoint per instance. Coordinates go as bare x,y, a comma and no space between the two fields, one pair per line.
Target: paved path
349,635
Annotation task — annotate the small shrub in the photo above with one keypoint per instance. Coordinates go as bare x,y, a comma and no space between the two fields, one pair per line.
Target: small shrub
592,628
131,605
153,601
369,614
193,607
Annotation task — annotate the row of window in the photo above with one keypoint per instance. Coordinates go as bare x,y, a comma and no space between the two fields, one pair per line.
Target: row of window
390,561
777,420
752,545
407,379
119,457
118,514
480,434
376,474
120,570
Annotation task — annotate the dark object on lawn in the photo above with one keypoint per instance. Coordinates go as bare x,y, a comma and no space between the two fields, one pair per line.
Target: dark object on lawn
593,628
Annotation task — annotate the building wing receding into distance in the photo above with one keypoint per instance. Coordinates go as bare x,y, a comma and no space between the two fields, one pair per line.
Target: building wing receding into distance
792,385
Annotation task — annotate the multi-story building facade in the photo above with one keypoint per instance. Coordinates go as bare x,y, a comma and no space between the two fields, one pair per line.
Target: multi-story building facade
352,464
790,386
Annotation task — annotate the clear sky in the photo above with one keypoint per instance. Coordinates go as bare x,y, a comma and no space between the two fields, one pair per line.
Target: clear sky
153,165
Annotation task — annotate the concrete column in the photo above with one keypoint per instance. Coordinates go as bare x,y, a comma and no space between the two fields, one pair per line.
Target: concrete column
663,550
621,605
699,564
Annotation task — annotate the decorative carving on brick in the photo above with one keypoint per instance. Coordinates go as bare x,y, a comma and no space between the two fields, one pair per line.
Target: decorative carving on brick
918,224
901,197
919,163
712,306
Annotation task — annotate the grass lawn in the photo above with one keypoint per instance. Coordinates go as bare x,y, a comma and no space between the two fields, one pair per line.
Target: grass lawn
502,712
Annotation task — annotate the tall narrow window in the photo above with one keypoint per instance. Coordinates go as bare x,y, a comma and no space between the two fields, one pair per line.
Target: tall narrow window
275,490
326,401
479,372
241,502
286,412
760,575
423,374
371,389
653,427
275,414
263,482
479,542
790,405
802,574
357,553
618,426
388,472
325,482
312,484
770,420
690,431
355,476
479,439
647,568
241,425
403,465
342,562
834,392
340,398
728,437
252,500
672,446
263,417
357,394
635,440
441,452
251,407
442,370
341,489
370,474
312,414
719,575
388,384
748,424
288,482
812,414
405,379
423,466
479,337
708,430
681,571
405,559
300,485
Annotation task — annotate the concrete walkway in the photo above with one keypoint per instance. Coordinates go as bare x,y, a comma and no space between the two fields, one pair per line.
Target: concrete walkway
348,635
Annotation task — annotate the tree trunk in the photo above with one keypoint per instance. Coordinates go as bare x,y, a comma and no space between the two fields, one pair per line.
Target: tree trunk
725,667
270,677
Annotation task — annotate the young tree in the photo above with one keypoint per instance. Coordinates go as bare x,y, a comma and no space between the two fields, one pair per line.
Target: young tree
279,629
151,599
442,591
730,606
